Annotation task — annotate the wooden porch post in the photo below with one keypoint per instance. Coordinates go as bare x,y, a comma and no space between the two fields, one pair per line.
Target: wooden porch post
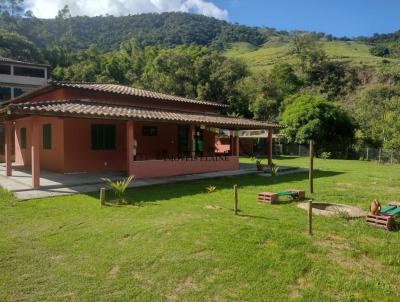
35,149
237,146
8,147
269,146
192,130
130,137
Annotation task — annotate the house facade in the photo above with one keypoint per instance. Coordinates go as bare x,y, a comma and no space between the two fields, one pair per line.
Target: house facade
91,127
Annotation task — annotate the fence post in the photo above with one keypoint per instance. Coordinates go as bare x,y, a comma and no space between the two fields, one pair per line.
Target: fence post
380,154
311,168
102,196
367,153
310,217
299,151
391,157
235,199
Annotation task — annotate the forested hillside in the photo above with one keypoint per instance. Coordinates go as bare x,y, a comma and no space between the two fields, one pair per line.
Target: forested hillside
260,73
108,32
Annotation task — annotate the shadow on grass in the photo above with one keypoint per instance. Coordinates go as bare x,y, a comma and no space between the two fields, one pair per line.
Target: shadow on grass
164,192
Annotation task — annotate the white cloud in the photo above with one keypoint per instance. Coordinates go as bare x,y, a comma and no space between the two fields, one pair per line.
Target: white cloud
49,8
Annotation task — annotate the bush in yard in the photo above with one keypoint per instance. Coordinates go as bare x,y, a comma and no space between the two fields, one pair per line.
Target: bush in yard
313,118
119,186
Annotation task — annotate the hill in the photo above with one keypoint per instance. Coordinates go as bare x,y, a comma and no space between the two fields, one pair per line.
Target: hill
108,32
277,50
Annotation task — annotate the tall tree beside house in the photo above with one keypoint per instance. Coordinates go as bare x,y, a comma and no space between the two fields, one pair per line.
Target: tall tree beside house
313,118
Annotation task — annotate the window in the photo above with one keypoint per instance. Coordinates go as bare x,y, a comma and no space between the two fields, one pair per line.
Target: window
5,69
149,131
5,93
47,136
23,138
18,92
29,72
103,137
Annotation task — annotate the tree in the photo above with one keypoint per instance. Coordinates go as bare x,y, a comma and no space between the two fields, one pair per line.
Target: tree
15,46
11,7
269,90
378,111
307,48
313,118
64,13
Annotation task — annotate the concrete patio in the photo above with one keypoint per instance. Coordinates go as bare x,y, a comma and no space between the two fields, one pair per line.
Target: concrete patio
55,184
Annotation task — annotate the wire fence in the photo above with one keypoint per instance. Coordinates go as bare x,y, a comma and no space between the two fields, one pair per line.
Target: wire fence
369,154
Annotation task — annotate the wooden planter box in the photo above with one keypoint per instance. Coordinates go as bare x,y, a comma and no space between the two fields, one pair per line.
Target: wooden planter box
380,221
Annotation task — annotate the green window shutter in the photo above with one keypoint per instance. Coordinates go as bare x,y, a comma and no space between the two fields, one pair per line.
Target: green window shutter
47,136
23,138
103,137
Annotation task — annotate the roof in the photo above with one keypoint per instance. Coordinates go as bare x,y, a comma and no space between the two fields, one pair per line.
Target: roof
121,90
93,109
12,61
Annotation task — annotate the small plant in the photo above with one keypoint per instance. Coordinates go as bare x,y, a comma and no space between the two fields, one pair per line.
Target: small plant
259,164
274,170
119,186
211,189
325,155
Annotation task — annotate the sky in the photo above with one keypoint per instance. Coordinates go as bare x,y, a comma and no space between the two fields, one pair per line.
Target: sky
349,18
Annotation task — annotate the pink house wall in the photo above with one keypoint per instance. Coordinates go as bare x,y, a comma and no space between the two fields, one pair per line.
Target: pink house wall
79,156
50,159
164,168
72,152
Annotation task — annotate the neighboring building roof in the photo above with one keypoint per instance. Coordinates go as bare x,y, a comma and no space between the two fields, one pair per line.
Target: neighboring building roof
12,61
121,90
93,109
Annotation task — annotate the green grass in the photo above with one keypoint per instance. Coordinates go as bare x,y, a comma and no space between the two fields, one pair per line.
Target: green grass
276,51
170,247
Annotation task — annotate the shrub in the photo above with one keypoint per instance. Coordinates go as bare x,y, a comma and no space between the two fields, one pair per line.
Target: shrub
325,155
211,189
119,186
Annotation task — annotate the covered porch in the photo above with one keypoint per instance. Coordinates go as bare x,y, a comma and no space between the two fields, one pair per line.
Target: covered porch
82,137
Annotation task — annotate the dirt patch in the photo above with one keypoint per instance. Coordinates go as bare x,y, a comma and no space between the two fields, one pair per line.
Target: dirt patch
300,284
57,258
124,239
142,281
331,209
213,207
182,287
112,274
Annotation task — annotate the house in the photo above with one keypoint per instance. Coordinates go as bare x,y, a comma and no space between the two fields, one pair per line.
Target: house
93,127
16,78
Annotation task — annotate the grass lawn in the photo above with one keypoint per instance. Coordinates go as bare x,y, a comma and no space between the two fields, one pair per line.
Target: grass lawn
170,247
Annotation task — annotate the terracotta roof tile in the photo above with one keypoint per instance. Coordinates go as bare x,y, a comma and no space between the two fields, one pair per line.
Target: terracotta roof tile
132,91
88,108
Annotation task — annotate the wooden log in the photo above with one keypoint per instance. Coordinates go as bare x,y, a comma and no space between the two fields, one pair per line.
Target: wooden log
235,199
102,196
310,217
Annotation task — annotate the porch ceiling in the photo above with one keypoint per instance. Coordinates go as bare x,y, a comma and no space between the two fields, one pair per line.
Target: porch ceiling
93,109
